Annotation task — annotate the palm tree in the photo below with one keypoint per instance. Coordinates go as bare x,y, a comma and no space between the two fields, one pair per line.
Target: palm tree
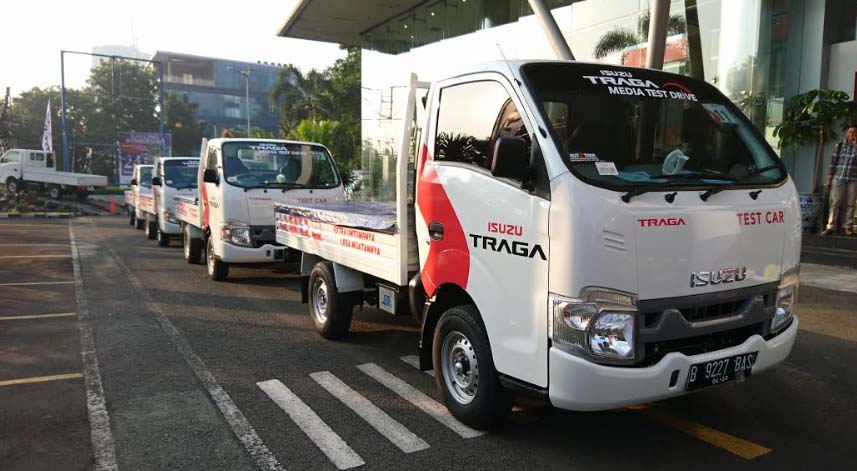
619,39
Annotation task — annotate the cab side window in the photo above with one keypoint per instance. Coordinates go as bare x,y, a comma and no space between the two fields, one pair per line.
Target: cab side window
471,118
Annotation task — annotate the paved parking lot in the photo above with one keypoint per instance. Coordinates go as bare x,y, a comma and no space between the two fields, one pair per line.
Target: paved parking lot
201,376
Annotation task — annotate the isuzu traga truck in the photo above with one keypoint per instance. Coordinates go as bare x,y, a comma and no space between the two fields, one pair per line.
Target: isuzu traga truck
35,170
171,177
231,215
594,235
139,199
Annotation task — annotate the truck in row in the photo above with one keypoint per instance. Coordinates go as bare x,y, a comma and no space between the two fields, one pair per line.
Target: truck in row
592,235
23,169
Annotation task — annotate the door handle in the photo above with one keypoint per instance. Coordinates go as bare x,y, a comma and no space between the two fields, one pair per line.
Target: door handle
435,230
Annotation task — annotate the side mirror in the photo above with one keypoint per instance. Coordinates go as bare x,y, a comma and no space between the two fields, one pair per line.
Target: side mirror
210,176
510,159
156,181
133,181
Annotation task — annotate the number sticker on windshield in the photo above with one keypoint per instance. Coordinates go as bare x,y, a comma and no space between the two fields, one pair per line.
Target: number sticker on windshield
606,168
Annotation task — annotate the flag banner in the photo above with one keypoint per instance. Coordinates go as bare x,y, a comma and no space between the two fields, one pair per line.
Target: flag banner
138,148
47,135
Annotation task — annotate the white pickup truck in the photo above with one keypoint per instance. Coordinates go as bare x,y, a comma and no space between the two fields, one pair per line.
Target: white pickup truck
171,177
139,198
34,169
594,235
231,216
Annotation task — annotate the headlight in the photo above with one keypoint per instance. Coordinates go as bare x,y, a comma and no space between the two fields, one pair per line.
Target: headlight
237,233
169,216
600,324
786,300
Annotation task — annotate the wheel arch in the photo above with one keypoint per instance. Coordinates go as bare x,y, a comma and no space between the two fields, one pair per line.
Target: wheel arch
446,296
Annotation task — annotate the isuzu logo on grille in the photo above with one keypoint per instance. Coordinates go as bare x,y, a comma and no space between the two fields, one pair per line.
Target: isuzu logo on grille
716,277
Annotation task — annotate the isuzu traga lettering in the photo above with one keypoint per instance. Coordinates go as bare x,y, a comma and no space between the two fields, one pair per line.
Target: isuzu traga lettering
598,236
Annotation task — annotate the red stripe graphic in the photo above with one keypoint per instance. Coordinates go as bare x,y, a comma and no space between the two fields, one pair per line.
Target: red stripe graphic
448,260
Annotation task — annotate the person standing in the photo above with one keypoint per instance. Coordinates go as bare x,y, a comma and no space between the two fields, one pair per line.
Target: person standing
842,183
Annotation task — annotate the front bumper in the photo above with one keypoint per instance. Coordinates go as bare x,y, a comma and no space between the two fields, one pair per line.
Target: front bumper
578,384
266,253
170,228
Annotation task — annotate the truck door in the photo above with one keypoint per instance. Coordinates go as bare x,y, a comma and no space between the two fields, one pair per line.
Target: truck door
208,191
484,234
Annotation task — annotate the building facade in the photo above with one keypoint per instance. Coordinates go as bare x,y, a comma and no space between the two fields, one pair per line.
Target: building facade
759,53
218,87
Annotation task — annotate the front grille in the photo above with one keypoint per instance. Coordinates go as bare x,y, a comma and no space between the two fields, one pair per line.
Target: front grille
713,311
655,351
261,235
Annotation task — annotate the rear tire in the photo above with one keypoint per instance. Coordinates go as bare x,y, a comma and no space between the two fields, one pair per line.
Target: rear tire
12,185
140,224
192,247
330,310
54,192
132,217
464,370
163,239
151,230
218,270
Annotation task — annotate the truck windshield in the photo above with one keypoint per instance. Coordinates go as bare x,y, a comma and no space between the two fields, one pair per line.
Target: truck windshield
146,177
623,129
181,173
249,164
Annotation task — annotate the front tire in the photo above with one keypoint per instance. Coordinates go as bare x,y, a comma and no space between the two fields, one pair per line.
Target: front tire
132,217
140,224
151,230
163,239
218,270
191,247
12,185
464,370
330,310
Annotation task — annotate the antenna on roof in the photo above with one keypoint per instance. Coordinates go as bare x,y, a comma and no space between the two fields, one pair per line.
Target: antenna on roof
506,61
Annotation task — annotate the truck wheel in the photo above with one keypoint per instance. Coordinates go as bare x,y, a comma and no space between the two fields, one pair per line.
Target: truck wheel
132,217
139,223
464,370
151,229
329,309
218,270
192,247
54,192
12,185
163,239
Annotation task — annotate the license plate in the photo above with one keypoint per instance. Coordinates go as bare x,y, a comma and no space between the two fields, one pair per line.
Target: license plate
724,370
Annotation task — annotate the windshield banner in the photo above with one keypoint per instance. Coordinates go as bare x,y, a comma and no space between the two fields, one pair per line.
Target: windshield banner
138,148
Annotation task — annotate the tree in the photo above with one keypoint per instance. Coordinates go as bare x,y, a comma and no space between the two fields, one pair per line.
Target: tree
187,133
324,132
809,118
619,39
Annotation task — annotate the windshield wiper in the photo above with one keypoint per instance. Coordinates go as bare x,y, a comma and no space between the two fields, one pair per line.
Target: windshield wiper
713,191
635,192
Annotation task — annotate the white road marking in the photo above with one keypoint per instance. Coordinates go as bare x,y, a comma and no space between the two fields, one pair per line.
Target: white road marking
414,361
35,283
34,256
241,427
419,399
387,426
331,444
33,245
38,316
103,448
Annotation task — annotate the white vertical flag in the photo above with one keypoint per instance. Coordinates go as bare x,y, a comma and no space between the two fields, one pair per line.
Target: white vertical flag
47,137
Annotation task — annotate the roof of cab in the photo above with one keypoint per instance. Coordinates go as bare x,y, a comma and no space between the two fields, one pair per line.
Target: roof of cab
220,140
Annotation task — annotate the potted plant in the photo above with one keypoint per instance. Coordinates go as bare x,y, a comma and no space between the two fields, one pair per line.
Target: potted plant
810,118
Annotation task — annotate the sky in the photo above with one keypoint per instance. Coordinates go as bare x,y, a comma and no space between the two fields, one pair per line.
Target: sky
35,31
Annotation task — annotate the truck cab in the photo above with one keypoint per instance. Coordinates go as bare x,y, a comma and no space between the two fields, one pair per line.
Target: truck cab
172,176
598,236
239,182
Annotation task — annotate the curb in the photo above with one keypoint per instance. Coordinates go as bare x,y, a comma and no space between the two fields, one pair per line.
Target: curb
36,215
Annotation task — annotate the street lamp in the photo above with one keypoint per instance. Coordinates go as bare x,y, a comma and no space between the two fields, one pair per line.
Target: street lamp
246,73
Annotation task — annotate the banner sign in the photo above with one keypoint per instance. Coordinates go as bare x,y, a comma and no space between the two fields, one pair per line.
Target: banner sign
138,148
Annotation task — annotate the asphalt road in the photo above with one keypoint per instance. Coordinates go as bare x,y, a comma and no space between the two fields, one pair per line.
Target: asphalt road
180,359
